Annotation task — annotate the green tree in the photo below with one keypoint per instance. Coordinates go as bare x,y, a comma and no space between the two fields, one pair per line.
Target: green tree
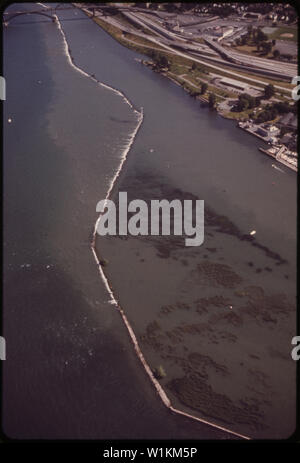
163,62
212,100
267,115
204,88
261,36
245,102
282,107
244,40
267,47
269,91
257,100
154,55
258,45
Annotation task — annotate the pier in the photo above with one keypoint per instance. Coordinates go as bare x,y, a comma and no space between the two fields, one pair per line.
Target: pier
278,153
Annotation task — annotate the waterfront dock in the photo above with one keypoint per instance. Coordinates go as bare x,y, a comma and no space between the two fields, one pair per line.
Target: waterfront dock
280,155
277,151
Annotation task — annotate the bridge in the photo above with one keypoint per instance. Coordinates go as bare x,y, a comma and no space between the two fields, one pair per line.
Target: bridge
8,17
49,12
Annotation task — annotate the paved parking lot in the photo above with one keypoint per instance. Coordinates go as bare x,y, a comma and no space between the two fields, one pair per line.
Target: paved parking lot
286,47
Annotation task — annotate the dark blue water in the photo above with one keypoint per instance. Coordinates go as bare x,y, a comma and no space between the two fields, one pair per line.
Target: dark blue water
71,371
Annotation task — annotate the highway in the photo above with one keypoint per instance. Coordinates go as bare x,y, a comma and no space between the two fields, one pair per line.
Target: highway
162,39
282,69
270,67
198,48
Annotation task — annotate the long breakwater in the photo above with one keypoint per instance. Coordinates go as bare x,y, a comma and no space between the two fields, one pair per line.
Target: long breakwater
113,298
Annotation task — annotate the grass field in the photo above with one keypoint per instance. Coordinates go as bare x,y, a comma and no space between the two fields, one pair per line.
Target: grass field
252,50
238,116
140,43
284,33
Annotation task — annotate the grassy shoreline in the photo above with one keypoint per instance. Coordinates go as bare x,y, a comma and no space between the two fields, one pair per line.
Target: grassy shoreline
184,71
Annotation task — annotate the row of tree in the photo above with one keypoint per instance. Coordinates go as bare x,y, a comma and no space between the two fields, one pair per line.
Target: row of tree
199,67
246,101
273,110
159,59
269,91
256,37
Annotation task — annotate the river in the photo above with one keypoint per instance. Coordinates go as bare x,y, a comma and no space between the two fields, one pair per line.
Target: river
69,357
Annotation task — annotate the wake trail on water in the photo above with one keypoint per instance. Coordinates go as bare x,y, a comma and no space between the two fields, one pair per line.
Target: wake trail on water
113,299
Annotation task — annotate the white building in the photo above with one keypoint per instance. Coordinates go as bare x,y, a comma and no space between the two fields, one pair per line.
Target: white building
220,32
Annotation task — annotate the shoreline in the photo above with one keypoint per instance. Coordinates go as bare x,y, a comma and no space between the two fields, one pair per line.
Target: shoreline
133,337
114,299
219,112
185,85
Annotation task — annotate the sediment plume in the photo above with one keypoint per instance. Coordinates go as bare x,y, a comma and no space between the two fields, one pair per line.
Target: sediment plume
113,298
